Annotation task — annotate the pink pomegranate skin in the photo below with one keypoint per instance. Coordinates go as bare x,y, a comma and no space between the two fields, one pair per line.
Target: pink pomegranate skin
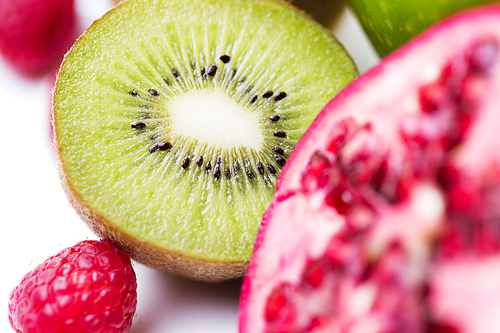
386,217
36,33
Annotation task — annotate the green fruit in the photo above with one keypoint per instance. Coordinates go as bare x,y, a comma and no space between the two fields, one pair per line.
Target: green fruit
391,23
172,120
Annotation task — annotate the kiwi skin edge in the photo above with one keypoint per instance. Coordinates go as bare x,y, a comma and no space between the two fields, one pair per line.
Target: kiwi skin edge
143,252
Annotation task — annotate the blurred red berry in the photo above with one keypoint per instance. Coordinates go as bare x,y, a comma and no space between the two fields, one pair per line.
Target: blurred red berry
90,287
35,34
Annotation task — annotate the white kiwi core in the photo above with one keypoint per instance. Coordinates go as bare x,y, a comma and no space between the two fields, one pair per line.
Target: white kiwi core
212,117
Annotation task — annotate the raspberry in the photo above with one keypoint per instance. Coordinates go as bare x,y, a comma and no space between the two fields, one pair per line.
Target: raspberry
36,33
90,287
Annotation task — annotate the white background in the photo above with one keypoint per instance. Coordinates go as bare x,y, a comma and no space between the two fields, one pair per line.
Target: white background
37,220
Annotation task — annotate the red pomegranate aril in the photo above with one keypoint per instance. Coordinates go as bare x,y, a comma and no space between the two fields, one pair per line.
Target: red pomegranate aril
483,55
462,197
379,176
396,185
317,325
459,68
337,252
450,245
457,131
441,328
341,198
447,176
420,131
277,305
487,237
318,173
361,156
315,273
432,96
341,133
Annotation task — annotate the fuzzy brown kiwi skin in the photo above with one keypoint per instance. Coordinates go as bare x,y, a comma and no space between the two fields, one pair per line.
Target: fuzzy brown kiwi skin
142,251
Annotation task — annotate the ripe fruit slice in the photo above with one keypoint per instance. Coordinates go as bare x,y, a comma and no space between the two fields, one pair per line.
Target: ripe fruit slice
173,118
89,287
36,33
386,218
391,23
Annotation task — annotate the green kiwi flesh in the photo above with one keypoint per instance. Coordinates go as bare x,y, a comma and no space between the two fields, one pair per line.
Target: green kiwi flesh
172,120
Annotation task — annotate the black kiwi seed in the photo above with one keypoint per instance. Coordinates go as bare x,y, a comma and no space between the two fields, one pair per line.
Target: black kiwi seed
225,58
236,166
254,98
278,150
271,168
185,163
219,160
228,173
208,166
164,145
260,167
153,92
154,137
280,134
241,82
280,96
280,160
250,174
199,161
267,94
203,71
212,70
274,118
133,93
137,125
176,72
166,80
217,172
153,148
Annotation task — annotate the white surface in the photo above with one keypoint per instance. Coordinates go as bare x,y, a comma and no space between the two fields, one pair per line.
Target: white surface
38,221
212,118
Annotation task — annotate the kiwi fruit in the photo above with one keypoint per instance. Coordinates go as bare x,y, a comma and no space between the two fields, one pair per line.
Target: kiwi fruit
172,120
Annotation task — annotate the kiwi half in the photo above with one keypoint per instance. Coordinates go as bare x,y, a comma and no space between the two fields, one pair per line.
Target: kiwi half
172,120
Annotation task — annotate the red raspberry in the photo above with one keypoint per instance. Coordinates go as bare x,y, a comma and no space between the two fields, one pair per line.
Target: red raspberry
90,287
35,34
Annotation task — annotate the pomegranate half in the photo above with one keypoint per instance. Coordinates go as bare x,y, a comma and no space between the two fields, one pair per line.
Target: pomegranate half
386,217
